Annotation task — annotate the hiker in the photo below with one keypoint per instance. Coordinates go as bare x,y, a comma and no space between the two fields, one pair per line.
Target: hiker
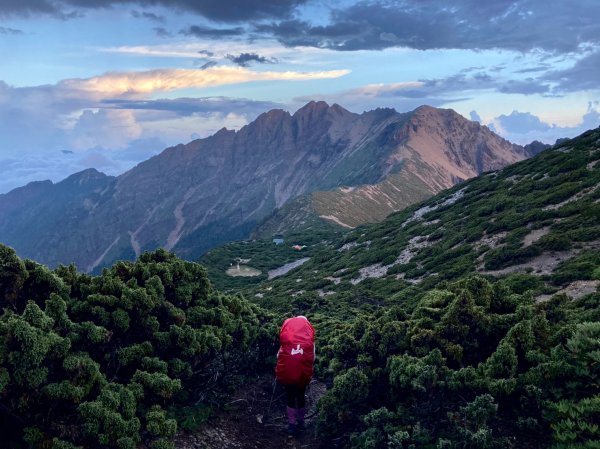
294,368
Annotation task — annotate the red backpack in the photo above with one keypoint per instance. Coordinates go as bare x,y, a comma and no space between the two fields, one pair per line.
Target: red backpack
296,353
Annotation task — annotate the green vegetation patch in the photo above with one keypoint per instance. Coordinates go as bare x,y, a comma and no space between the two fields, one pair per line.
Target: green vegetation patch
118,360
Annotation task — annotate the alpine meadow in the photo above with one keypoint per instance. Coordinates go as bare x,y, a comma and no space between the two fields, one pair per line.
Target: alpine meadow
299,224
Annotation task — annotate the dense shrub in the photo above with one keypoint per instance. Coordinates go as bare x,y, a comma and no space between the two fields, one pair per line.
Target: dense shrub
505,256
475,365
95,361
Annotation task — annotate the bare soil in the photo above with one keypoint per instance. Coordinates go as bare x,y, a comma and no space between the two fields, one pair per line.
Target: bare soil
535,235
575,290
255,418
543,264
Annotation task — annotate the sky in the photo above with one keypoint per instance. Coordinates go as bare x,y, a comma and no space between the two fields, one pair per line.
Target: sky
109,83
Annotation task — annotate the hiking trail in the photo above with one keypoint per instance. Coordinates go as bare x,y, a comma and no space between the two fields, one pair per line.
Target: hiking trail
255,418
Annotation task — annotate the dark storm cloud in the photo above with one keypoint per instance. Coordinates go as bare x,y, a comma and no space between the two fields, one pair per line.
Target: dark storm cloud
191,106
12,31
583,75
210,32
555,26
244,59
431,24
221,10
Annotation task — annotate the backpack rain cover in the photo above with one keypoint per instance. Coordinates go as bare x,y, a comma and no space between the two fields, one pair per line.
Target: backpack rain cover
296,353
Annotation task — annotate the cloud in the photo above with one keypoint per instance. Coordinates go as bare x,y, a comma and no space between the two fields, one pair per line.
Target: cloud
475,116
57,165
244,59
12,31
191,106
49,128
537,68
206,64
444,90
111,128
521,122
220,10
161,80
28,8
50,116
162,32
528,86
557,27
450,87
524,127
148,15
583,75
211,33
219,49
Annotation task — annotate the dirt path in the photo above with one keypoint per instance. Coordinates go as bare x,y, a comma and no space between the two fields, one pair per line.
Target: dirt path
255,418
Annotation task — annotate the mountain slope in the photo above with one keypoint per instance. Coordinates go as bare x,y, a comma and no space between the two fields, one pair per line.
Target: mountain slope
538,218
192,197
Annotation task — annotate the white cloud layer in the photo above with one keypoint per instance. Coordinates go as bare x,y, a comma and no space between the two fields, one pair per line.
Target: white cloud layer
524,127
111,128
162,80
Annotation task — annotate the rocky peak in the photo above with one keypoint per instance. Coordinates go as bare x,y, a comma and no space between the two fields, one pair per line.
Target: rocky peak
272,116
338,111
311,108
535,147
317,117
84,177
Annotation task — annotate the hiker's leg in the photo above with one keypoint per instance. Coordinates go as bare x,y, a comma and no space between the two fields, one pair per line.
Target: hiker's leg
300,392
301,411
290,393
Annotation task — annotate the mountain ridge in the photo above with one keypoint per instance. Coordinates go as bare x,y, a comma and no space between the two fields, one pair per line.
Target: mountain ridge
192,197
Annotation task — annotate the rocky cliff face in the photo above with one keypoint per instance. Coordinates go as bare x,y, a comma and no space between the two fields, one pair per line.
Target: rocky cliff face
195,196
428,150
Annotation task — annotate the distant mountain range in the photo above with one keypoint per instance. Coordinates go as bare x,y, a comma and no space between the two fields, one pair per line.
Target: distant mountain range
335,165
